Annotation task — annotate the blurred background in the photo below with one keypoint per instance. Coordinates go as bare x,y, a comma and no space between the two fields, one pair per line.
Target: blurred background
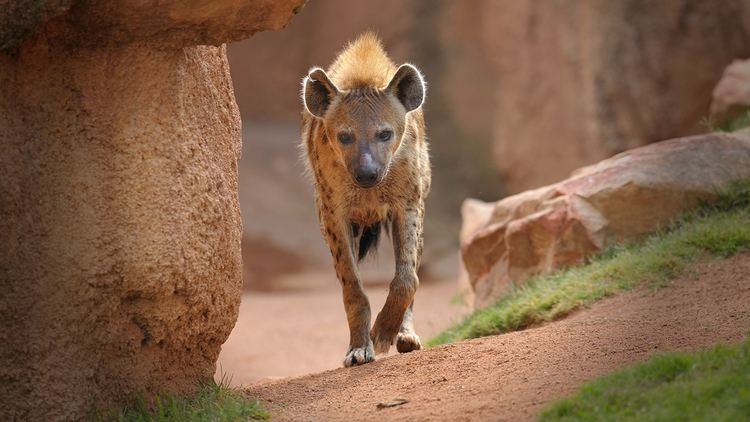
520,93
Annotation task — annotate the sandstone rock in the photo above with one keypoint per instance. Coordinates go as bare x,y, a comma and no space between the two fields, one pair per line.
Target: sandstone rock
619,199
578,82
733,89
119,221
171,23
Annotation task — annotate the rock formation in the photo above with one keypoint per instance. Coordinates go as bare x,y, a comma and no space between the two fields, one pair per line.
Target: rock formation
619,199
119,221
578,82
733,91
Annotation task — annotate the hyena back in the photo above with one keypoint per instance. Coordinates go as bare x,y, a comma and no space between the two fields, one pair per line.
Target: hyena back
363,134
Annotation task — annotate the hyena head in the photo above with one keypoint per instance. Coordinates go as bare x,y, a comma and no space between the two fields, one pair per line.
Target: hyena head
365,125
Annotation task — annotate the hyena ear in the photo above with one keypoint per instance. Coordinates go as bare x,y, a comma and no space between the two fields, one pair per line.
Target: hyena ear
408,86
317,92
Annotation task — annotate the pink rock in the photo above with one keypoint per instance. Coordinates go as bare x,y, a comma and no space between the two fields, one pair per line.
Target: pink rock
733,89
619,199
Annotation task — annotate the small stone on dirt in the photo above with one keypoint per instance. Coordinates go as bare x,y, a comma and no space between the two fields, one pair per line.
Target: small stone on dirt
392,403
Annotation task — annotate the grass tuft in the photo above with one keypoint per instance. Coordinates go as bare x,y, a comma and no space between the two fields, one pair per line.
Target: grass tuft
212,402
709,385
738,121
717,229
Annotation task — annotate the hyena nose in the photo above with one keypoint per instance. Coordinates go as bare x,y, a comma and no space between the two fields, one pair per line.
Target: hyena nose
367,176
367,171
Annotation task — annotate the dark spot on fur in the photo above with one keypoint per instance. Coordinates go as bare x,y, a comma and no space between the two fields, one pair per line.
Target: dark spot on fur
355,229
368,242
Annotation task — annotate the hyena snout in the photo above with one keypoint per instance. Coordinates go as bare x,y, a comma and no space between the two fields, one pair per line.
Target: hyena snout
367,173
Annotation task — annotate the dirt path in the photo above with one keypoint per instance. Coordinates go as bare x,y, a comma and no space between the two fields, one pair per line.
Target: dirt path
510,377
304,318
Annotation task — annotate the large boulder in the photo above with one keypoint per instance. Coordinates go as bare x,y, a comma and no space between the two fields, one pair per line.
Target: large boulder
617,200
119,220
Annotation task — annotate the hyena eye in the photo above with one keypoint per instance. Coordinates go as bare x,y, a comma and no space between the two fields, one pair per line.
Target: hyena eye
385,135
345,138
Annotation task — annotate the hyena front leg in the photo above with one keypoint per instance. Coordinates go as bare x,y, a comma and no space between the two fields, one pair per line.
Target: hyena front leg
339,238
396,313
407,339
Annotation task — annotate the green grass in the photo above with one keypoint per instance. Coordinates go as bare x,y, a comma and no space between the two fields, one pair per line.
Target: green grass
738,121
719,229
710,385
212,402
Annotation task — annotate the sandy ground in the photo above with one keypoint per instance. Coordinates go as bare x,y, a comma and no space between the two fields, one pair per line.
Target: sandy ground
506,377
301,326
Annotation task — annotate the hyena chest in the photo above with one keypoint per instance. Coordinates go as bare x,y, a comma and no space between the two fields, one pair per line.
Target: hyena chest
366,210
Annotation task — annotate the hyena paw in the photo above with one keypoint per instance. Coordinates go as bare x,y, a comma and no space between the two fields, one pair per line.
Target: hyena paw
407,342
359,355
382,339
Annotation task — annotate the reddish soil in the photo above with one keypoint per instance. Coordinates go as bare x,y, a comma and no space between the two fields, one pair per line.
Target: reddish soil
300,327
509,377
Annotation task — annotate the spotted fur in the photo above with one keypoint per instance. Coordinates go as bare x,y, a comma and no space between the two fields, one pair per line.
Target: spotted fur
365,94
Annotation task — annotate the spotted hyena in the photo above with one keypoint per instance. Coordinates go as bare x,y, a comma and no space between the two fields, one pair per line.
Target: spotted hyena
363,135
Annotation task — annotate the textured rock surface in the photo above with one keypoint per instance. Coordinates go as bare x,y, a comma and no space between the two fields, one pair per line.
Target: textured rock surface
733,90
119,221
595,77
171,23
619,199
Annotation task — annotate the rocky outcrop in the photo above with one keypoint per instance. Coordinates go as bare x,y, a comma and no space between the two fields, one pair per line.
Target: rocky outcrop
732,91
619,199
170,24
578,82
121,266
